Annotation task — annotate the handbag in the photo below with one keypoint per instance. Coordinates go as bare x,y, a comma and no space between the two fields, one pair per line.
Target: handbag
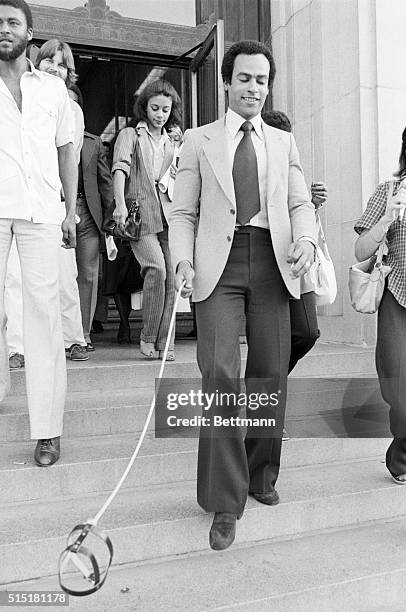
131,230
367,279
322,273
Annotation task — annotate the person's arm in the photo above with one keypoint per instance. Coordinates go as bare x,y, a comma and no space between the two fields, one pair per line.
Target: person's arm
122,160
301,255
68,173
296,253
301,252
184,274
104,180
120,211
368,242
319,194
182,215
79,122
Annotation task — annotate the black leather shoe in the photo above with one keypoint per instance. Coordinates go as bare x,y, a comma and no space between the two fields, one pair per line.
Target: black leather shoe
222,532
97,327
270,499
47,451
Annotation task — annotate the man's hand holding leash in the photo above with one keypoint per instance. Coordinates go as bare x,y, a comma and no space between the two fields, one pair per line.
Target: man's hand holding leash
184,272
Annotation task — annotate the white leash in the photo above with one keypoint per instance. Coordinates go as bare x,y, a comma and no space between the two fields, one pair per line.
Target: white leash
74,547
97,517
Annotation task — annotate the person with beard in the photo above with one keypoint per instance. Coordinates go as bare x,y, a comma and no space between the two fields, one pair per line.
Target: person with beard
36,159
54,57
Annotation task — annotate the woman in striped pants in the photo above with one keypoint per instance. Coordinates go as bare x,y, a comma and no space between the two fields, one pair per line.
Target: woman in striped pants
143,153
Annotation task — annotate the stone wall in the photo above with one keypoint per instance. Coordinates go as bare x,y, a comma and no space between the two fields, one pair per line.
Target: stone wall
340,80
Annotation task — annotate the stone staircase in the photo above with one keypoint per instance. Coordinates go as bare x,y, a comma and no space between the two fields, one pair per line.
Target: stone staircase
335,541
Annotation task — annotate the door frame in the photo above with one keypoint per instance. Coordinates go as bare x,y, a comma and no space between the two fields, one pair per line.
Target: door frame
214,39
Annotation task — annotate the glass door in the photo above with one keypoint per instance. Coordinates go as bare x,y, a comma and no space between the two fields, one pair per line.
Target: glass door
110,86
207,90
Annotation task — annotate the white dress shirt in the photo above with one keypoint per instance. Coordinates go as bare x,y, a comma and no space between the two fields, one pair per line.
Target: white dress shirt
233,123
29,171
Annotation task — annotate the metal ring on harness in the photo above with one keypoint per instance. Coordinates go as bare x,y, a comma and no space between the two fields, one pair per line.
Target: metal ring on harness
72,553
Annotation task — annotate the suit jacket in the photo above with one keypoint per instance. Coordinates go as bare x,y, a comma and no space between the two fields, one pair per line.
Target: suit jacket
203,212
132,155
97,181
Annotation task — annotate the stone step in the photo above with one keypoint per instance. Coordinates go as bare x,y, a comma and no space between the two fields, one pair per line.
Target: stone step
330,359
95,464
165,520
349,406
117,369
356,569
120,368
87,413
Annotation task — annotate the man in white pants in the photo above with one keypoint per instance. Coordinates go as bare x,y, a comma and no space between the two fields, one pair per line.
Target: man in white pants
36,154
75,344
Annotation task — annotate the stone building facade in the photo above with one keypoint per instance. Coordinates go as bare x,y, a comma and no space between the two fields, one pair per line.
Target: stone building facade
340,79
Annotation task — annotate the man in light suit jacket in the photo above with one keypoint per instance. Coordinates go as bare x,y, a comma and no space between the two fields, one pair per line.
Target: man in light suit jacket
240,246
95,197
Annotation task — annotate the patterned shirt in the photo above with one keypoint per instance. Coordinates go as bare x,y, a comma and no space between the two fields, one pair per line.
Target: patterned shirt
396,237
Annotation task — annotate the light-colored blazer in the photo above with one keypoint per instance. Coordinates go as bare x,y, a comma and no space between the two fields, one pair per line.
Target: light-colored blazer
132,155
202,216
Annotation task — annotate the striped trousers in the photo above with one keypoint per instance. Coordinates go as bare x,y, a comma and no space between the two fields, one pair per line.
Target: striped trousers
152,252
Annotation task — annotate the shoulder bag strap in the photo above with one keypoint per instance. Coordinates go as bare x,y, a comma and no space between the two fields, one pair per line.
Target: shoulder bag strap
383,245
321,238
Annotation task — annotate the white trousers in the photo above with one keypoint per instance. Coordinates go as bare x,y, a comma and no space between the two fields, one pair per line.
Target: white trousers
69,296
13,299
38,248
70,300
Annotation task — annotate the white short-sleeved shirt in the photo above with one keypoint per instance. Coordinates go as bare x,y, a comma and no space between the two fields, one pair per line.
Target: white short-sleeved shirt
79,128
29,172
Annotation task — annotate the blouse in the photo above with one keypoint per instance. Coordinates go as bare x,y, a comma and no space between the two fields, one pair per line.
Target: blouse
396,237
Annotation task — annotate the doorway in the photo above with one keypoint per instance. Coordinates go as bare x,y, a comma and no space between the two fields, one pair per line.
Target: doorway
109,84
109,79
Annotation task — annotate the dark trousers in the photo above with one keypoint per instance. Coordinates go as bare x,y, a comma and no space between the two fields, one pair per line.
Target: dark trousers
304,327
87,259
228,465
390,359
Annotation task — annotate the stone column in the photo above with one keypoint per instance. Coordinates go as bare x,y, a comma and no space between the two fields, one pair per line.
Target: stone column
340,79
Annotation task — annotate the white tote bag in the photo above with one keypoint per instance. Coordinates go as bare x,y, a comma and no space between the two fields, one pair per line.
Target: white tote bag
322,273
136,303
366,281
